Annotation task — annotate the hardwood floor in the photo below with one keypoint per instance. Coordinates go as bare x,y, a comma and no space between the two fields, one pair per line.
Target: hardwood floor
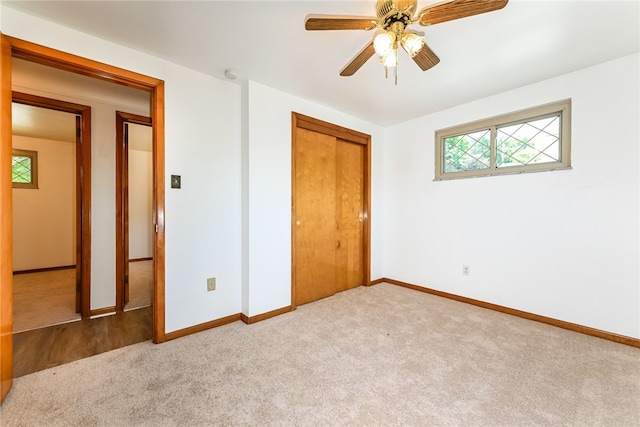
48,332
44,348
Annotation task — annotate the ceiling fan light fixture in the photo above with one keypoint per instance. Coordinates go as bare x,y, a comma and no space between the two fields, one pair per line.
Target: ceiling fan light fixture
384,43
390,60
393,18
412,43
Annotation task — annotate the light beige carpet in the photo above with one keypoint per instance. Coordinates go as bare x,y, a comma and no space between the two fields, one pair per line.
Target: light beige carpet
376,356
43,299
140,284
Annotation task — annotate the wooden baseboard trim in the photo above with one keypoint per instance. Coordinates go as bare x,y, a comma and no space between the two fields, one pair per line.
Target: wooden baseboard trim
376,282
201,327
102,311
264,316
42,270
223,321
141,259
622,339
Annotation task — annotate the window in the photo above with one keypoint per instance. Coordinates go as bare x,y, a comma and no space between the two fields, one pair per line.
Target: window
24,169
538,139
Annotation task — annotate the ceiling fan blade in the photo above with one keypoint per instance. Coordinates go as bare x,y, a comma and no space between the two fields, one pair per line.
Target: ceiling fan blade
425,58
336,23
457,9
357,62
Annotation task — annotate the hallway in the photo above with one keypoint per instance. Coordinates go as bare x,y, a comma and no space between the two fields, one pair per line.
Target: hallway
47,298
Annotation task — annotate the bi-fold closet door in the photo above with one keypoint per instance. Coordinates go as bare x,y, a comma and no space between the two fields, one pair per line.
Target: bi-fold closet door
330,215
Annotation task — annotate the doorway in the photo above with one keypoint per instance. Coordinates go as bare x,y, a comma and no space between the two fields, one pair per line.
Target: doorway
11,47
134,212
51,235
330,209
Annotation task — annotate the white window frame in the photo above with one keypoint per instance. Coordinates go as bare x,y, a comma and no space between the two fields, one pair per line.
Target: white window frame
562,108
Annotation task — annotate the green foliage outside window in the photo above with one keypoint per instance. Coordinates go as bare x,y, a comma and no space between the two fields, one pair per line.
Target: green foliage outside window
467,152
21,169
538,139
24,172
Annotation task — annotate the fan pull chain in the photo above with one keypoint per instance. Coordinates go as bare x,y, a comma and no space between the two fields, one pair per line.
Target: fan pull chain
395,71
395,67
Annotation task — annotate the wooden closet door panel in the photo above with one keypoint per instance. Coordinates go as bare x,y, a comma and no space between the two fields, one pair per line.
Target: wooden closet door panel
350,211
315,210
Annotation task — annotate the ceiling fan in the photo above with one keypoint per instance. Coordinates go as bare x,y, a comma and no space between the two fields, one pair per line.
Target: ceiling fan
392,22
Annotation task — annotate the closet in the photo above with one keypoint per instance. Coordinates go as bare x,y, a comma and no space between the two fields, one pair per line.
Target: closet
330,210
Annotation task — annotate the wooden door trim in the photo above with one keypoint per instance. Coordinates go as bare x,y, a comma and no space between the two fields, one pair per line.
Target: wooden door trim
300,121
122,205
6,224
43,55
11,46
305,122
83,189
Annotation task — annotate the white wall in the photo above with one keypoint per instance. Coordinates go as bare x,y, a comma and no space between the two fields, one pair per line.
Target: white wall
560,244
268,166
141,226
203,231
202,142
140,204
44,233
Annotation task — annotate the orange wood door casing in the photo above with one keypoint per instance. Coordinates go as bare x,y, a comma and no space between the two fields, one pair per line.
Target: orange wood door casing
329,236
123,120
6,229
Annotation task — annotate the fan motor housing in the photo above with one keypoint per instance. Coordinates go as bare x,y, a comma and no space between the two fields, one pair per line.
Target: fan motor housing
391,11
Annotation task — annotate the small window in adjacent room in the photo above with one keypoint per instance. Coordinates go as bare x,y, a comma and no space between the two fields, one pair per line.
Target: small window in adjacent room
24,169
537,139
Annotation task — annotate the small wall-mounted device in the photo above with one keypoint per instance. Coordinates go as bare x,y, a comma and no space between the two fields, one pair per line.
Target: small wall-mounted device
230,74
175,181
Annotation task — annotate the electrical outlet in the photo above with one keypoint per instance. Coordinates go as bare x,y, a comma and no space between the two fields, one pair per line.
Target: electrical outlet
211,284
466,270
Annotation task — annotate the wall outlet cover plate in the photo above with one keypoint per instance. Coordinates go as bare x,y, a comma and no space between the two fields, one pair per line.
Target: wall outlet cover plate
175,181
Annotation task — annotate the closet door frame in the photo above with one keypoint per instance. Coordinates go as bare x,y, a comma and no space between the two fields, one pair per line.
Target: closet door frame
300,121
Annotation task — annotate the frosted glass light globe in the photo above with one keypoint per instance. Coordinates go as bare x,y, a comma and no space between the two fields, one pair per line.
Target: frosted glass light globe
412,43
383,43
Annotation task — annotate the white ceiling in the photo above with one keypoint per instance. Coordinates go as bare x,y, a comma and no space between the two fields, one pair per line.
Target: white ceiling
42,123
265,41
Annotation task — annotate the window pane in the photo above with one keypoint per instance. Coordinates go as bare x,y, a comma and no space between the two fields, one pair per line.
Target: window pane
531,142
24,168
21,169
534,140
467,152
